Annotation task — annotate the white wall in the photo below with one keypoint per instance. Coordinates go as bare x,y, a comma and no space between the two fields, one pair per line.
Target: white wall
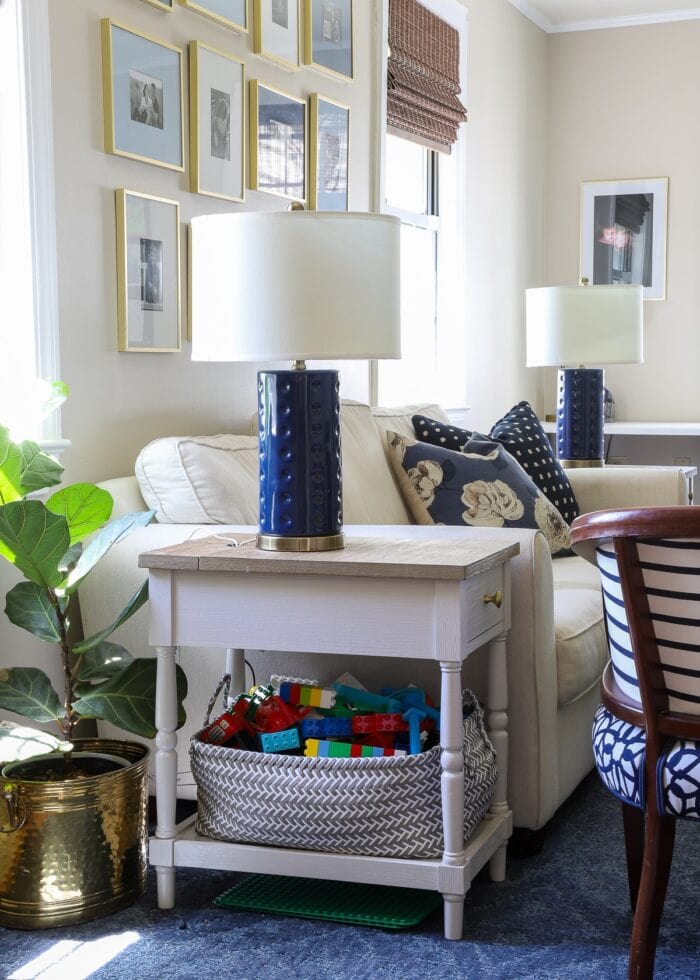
623,104
506,150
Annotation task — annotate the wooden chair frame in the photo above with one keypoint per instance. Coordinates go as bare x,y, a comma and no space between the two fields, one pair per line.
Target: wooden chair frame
649,837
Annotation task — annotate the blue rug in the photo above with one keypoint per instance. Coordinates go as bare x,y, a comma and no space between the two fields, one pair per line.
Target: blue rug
563,914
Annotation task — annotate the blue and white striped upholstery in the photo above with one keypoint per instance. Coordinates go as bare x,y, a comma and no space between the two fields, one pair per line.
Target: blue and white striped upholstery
671,575
619,751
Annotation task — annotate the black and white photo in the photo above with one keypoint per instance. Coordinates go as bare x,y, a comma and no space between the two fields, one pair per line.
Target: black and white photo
151,274
146,95
220,103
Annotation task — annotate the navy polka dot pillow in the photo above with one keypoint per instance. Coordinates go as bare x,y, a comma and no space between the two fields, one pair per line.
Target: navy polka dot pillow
439,434
521,433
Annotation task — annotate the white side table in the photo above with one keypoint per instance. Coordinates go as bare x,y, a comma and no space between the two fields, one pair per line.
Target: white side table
446,599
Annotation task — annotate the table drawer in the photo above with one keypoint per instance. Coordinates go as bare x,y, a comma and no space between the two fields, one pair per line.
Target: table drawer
484,598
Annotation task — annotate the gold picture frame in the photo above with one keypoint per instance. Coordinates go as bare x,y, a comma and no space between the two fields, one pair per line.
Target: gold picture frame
329,32
329,154
624,226
277,32
277,142
165,5
213,9
148,273
143,96
217,123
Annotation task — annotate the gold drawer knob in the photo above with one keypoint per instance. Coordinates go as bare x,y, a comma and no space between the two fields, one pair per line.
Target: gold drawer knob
496,599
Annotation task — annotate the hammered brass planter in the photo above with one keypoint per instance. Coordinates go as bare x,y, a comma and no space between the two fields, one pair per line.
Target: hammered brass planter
73,851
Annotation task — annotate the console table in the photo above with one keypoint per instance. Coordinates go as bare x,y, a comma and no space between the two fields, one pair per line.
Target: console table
384,597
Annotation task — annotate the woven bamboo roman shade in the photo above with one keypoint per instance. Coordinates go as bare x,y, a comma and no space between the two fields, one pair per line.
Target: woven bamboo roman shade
423,76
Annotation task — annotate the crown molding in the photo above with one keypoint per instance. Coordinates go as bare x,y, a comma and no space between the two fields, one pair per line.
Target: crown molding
602,23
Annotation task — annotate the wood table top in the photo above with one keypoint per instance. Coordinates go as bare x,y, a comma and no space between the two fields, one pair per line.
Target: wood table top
366,557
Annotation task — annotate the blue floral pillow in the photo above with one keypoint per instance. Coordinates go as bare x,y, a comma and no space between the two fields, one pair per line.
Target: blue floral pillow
483,485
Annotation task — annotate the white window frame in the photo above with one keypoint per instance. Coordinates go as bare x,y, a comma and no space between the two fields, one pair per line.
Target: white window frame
35,108
451,350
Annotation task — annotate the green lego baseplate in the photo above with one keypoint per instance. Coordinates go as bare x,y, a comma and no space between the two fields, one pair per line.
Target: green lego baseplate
367,905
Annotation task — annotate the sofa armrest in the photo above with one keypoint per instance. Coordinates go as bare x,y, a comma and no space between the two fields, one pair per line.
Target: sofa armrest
620,487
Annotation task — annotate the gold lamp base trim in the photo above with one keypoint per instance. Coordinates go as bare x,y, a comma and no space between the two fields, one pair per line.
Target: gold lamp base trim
319,542
573,463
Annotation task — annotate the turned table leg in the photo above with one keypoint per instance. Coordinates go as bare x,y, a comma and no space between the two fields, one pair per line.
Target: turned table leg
452,786
166,766
497,727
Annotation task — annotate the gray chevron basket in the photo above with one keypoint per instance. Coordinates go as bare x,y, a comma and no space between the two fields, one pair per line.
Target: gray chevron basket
388,807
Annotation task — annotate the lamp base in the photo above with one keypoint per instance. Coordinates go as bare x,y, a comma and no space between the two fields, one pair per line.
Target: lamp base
300,472
573,463
580,417
276,542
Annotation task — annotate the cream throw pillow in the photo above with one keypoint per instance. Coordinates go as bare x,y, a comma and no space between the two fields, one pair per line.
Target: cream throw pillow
201,480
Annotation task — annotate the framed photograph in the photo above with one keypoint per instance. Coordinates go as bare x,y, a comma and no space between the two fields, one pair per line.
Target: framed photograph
148,272
276,34
142,82
161,4
277,142
230,13
623,233
329,146
328,31
217,113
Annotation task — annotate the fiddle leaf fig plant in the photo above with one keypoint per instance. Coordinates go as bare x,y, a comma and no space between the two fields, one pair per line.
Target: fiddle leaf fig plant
46,541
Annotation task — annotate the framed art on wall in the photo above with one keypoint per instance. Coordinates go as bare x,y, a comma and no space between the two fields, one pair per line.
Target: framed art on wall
329,146
276,34
328,33
230,13
142,82
277,142
148,272
623,233
161,4
217,110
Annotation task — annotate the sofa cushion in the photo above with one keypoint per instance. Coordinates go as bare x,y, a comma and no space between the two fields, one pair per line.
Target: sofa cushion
482,485
439,434
370,494
521,432
201,480
580,644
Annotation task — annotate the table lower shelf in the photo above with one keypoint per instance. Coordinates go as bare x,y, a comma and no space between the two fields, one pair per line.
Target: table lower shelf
188,849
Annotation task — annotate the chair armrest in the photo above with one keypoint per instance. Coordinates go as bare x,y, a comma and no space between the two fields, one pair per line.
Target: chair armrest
621,487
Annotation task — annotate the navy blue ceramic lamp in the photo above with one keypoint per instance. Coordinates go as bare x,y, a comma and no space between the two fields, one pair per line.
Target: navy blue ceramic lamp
571,326
297,286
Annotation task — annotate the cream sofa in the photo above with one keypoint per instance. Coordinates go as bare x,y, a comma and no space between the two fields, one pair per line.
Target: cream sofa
556,646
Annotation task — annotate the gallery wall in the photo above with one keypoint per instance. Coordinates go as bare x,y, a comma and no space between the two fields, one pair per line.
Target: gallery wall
623,104
120,401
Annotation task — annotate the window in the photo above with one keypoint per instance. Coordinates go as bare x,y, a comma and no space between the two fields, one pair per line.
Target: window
425,189
28,293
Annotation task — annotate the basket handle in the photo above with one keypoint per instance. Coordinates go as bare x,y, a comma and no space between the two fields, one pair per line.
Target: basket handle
223,685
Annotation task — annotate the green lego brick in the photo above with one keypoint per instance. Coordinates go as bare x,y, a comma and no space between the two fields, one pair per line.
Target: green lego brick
370,905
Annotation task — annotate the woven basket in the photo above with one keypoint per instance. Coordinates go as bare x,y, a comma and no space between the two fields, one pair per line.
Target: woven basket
389,807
